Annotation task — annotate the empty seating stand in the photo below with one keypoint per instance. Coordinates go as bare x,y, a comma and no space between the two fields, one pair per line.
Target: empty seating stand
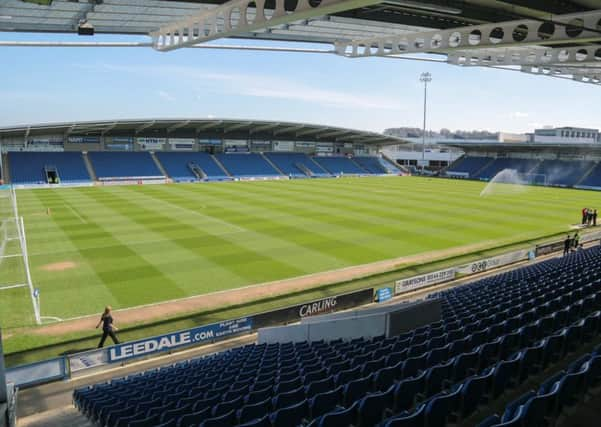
562,173
521,166
339,165
179,166
494,334
30,167
593,180
124,165
370,164
468,165
247,165
297,165
562,391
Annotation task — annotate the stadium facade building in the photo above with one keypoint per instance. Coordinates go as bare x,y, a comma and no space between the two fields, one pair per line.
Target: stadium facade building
565,135
154,150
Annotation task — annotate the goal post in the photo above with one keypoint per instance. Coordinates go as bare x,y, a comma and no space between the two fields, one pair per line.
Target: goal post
14,258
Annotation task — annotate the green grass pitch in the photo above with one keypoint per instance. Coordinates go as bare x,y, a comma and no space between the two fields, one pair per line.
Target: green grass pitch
134,245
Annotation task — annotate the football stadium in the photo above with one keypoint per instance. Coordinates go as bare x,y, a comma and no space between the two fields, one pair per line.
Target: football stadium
215,271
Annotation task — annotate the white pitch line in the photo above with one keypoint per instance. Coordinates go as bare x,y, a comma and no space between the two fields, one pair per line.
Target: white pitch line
23,285
83,221
10,256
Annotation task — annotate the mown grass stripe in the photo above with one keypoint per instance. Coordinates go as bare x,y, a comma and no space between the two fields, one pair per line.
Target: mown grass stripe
251,265
130,279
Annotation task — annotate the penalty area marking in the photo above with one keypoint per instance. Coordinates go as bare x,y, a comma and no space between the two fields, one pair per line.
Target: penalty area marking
22,285
51,318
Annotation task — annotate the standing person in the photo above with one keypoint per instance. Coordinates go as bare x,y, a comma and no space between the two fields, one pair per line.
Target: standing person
566,245
584,216
589,217
108,329
595,217
576,240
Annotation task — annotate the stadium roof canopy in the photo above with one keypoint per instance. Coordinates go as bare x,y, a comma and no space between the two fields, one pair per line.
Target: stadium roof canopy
224,128
559,38
521,147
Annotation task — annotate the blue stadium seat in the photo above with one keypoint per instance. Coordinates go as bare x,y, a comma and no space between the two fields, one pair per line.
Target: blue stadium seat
413,419
29,167
372,407
290,416
179,166
225,420
260,422
343,417
340,165
247,165
296,164
254,411
130,165
325,402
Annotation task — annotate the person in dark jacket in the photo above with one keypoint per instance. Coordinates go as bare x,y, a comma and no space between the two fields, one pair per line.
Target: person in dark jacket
595,218
108,329
567,243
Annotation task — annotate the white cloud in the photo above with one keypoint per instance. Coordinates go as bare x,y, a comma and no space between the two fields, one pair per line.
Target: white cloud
518,115
257,85
166,96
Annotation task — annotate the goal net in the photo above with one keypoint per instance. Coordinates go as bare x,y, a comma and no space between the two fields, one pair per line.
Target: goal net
16,288
534,178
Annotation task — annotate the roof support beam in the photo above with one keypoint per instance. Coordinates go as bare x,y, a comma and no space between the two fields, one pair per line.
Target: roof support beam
288,129
333,133
583,27
237,126
582,75
308,132
145,126
526,56
177,126
208,126
108,128
236,17
264,128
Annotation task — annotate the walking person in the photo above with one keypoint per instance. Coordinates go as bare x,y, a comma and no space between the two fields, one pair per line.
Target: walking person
108,329
576,240
595,218
566,245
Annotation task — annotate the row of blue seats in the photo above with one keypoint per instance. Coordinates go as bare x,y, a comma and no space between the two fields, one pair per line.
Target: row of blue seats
555,172
427,382
109,164
505,375
29,167
565,389
571,291
340,165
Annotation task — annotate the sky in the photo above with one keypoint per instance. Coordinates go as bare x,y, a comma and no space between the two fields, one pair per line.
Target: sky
39,85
